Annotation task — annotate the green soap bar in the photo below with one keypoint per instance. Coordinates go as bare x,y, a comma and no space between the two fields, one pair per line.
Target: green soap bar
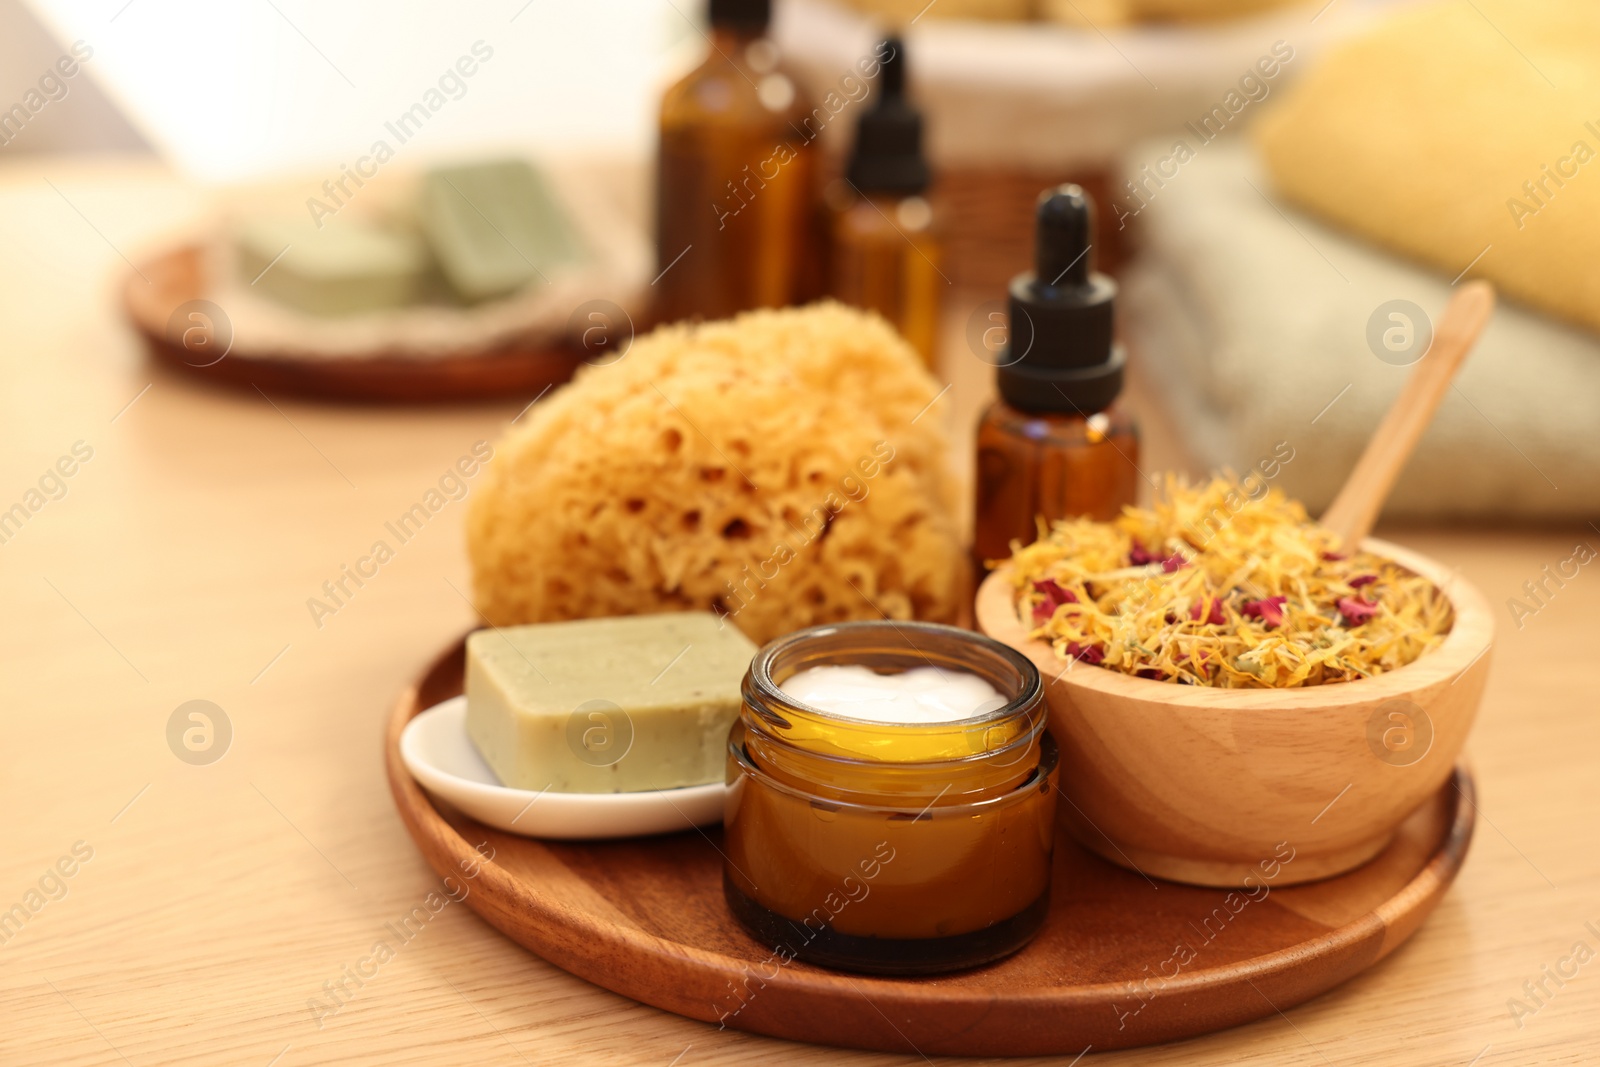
495,227
342,268
615,705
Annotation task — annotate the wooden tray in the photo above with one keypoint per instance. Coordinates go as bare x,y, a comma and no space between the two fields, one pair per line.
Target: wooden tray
646,919
178,277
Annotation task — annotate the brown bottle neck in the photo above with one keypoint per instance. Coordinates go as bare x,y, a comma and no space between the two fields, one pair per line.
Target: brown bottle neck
1002,410
731,41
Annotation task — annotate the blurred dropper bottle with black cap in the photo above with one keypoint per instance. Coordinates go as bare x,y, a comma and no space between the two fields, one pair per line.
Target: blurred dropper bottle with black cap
1055,445
736,179
884,250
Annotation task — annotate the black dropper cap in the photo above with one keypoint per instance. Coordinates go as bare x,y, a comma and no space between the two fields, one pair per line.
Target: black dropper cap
1060,355
887,157
741,14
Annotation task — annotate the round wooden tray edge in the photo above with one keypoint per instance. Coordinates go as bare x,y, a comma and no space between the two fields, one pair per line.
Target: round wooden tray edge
1352,947
1404,912
508,369
451,855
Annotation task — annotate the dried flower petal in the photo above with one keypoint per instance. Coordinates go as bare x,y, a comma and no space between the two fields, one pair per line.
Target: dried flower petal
1092,654
1356,611
1362,579
1054,596
1269,610
1214,616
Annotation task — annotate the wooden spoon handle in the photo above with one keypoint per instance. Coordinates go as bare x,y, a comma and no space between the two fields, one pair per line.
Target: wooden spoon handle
1356,508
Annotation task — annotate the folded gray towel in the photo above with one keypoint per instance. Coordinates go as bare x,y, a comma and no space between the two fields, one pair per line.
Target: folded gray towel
1251,321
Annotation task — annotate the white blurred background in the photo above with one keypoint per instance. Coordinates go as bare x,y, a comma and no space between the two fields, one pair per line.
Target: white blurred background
251,89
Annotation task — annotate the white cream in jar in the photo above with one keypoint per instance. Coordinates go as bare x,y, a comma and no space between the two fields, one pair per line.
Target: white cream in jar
911,697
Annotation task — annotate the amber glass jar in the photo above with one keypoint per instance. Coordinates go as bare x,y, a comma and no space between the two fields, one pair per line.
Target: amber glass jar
883,847
1049,465
738,223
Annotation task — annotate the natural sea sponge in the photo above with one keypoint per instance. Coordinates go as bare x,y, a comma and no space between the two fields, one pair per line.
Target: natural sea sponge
783,468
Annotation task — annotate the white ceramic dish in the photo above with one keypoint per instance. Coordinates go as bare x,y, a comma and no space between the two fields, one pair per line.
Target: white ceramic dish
440,756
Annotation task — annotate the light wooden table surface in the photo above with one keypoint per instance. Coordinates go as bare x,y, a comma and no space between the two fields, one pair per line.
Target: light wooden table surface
220,898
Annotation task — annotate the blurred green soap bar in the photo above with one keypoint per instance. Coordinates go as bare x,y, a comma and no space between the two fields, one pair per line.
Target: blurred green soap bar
342,268
495,227
617,705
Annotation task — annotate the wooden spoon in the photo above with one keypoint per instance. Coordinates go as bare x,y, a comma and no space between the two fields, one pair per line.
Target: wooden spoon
1356,508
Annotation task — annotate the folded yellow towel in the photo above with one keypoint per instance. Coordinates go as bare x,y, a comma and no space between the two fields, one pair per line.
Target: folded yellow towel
1085,13
1097,13
1458,131
904,12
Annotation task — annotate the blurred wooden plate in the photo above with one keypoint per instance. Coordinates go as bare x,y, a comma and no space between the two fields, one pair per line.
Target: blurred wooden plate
646,919
177,277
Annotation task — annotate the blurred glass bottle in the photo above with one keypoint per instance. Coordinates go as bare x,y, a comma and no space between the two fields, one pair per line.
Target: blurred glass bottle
736,185
1055,445
885,253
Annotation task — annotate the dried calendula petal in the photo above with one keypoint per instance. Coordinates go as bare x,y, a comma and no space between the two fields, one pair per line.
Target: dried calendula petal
1222,585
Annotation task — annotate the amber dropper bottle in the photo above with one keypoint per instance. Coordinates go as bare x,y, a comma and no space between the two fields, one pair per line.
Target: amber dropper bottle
1055,445
884,246
736,187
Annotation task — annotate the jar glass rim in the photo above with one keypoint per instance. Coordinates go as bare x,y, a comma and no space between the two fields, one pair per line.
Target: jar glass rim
1011,752
1049,760
1029,692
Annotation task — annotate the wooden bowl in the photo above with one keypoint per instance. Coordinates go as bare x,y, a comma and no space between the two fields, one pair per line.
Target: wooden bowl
1214,786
